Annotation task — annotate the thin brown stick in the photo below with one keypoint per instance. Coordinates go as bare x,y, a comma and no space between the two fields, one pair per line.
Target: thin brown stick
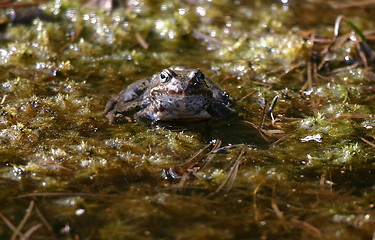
19,5
200,35
309,75
183,180
260,131
246,96
23,221
368,142
264,113
229,176
255,192
322,181
10,225
274,206
141,40
45,222
352,4
59,194
354,115
190,161
31,231
361,55
337,70
235,171
292,68
211,155
316,233
310,85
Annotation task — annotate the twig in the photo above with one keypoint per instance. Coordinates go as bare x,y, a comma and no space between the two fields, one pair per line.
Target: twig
246,96
295,66
45,222
352,4
200,35
322,181
191,161
337,70
23,221
141,40
264,113
10,225
211,155
235,170
59,194
310,86
317,234
274,206
3,99
31,231
231,175
366,141
255,192
19,5
354,115
260,131
361,55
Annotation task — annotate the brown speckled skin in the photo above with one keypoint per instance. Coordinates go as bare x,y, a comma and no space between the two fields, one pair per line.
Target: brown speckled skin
176,93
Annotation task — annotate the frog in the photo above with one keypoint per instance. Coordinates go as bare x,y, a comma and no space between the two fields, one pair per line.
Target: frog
175,94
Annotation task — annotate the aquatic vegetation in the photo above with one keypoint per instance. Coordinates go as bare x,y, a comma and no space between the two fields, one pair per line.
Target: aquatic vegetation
303,170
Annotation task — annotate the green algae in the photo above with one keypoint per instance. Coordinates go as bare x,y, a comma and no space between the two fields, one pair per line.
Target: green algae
93,180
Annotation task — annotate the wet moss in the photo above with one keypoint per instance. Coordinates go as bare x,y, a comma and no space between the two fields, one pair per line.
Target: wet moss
307,174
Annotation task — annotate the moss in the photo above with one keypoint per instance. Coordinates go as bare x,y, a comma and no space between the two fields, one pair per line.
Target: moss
58,148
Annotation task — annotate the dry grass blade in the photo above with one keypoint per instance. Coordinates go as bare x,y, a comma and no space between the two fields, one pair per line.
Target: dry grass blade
200,35
292,68
45,222
313,104
255,192
274,206
264,113
316,233
368,142
59,194
10,225
352,4
260,131
27,215
333,45
192,160
188,165
31,231
235,171
337,70
211,155
246,96
322,181
18,5
184,178
354,115
141,40
337,25
361,55
231,175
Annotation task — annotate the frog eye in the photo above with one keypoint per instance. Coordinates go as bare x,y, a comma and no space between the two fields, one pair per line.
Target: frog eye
165,76
200,77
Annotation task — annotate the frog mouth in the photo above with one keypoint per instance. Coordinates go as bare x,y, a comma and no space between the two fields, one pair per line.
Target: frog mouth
180,93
